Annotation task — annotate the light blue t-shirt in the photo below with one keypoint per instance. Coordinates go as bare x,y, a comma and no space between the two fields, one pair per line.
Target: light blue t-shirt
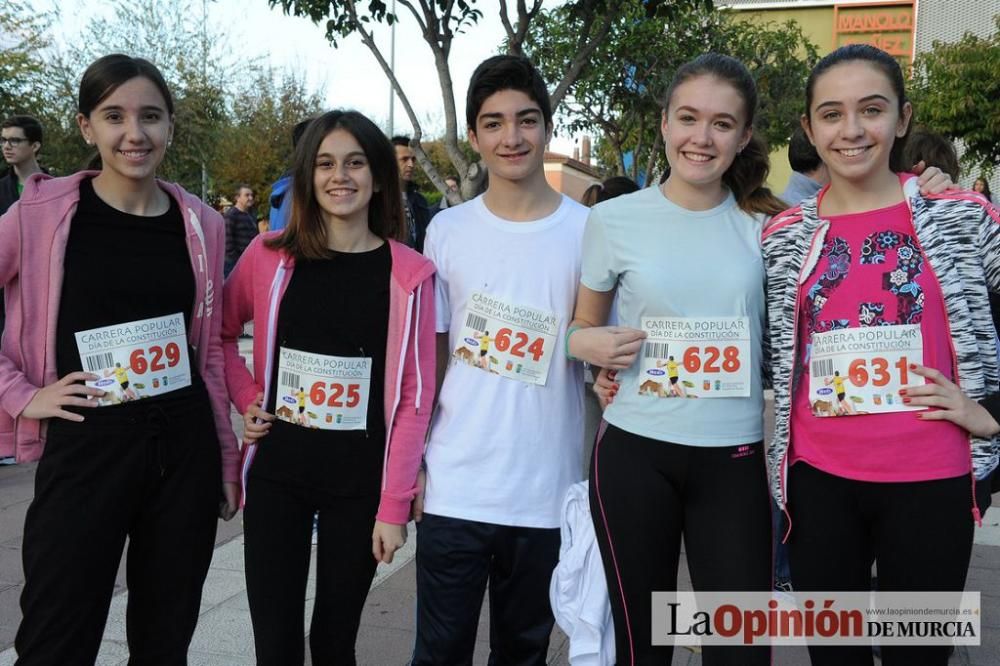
668,261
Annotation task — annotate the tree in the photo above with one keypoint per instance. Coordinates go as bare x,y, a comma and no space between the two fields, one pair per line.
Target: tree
22,41
955,88
256,146
440,21
219,139
618,96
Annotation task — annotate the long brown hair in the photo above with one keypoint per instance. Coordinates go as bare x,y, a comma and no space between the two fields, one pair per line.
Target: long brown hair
305,237
746,176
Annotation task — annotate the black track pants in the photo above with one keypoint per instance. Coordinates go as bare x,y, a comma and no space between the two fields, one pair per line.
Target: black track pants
644,495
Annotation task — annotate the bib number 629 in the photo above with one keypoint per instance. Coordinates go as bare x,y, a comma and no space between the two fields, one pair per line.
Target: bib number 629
139,363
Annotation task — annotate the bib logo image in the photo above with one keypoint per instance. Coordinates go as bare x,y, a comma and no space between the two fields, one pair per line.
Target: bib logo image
649,387
465,355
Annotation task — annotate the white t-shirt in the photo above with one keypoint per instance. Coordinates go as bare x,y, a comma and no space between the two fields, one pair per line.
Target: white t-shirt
668,261
501,450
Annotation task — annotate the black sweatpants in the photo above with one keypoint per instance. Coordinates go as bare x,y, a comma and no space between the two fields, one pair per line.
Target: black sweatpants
919,534
277,531
150,471
455,560
644,494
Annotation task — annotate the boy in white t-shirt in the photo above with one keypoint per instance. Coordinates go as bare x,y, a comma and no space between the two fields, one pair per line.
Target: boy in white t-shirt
507,437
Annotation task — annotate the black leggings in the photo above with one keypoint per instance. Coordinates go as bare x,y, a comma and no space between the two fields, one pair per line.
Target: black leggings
644,494
277,524
918,533
148,470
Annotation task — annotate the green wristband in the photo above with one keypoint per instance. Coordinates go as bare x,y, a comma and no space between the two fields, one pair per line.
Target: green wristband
570,331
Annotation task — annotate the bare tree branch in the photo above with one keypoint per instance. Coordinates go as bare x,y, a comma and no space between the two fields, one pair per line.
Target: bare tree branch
582,57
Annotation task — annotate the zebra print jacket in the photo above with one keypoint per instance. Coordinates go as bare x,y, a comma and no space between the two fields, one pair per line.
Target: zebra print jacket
959,233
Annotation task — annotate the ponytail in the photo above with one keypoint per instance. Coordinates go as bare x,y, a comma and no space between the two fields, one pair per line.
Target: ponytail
746,177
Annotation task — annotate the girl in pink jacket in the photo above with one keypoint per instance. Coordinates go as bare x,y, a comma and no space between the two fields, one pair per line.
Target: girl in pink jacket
339,401
112,361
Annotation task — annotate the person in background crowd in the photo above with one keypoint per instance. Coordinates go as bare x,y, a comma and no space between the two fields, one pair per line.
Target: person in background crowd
280,202
418,212
241,226
609,189
809,174
983,187
452,184
930,147
21,139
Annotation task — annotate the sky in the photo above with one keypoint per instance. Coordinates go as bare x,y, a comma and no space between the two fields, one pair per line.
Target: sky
349,75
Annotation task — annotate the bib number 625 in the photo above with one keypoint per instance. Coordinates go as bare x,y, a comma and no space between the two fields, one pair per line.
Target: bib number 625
318,394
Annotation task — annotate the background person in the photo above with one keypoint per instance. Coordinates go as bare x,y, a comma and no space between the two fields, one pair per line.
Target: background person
418,213
241,225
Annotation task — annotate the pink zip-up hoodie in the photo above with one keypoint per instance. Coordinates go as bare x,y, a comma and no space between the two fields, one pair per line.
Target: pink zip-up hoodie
33,235
254,291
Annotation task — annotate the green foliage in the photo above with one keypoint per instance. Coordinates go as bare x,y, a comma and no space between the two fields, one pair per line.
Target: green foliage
233,116
343,16
22,39
256,146
955,88
618,96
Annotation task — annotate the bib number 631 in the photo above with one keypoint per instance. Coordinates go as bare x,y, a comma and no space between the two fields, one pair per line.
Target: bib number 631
318,394
880,374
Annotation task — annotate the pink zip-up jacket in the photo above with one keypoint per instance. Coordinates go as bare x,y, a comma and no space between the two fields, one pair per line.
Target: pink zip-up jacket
254,291
33,235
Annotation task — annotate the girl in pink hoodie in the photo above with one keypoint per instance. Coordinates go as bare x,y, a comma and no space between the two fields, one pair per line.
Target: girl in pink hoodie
112,361
339,401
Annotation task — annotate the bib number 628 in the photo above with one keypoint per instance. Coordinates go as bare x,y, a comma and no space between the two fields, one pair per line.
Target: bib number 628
708,359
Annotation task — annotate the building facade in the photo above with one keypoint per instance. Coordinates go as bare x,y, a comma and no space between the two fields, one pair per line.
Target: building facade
904,28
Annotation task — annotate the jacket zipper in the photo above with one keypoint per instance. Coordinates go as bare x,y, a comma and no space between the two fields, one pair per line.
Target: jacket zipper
783,469
976,515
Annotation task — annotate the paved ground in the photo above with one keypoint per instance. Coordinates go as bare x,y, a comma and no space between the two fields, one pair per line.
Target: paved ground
224,637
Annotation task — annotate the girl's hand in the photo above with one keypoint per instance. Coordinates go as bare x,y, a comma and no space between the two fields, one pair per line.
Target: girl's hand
614,347
230,503
48,402
256,422
951,404
605,387
417,508
386,540
932,180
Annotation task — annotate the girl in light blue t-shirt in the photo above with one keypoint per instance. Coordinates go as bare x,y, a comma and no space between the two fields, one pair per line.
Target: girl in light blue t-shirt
683,451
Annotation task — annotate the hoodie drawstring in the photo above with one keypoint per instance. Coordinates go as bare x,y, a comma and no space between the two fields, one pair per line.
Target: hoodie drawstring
416,350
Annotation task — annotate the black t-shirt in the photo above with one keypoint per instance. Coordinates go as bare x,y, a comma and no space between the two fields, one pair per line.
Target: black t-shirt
121,268
335,307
